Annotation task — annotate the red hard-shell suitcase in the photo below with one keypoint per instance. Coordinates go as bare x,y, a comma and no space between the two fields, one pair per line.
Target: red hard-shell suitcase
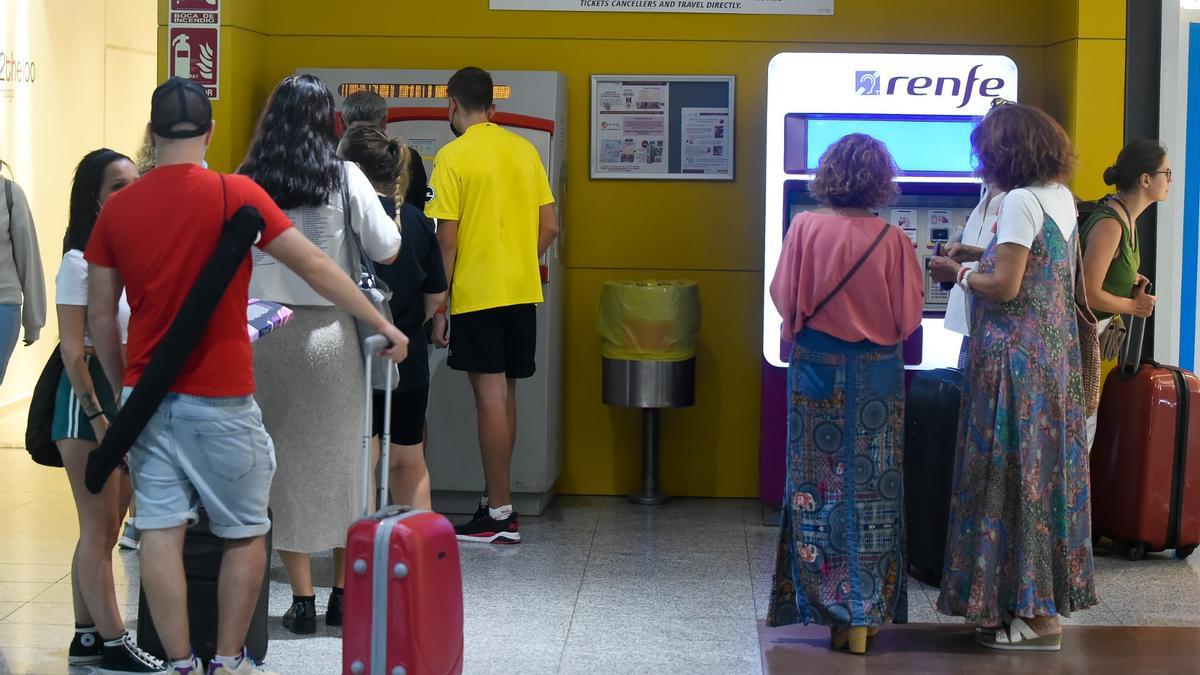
404,600
1146,458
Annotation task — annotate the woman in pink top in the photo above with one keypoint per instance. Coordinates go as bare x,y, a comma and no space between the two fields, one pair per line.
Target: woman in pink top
849,288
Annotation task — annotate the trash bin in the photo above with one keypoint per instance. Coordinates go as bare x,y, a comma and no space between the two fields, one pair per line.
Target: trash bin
648,332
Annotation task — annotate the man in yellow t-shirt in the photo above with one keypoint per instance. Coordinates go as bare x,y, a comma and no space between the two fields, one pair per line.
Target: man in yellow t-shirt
491,197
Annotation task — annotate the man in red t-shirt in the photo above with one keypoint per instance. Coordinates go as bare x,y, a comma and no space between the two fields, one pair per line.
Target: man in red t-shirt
205,445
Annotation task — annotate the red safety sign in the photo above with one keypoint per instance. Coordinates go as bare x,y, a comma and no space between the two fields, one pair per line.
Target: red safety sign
194,43
193,55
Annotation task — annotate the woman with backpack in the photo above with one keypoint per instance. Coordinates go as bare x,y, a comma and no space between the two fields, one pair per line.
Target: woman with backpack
310,377
83,407
1111,247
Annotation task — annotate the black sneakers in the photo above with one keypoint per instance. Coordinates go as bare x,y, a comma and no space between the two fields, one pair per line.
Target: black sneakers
333,612
483,529
87,648
124,656
301,617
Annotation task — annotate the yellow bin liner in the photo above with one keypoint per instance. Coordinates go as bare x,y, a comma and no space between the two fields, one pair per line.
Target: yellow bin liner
651,320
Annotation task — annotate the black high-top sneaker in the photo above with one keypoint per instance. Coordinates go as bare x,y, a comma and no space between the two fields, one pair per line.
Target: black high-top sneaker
124,656
86,648
301,618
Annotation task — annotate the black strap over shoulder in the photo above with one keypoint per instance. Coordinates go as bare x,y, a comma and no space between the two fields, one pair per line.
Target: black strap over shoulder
849,275
188,327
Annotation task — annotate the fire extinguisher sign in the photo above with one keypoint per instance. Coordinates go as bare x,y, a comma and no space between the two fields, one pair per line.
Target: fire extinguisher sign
194,47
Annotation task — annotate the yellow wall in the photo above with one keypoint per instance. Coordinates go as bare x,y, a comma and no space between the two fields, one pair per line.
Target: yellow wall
710,232
1086,61
95,70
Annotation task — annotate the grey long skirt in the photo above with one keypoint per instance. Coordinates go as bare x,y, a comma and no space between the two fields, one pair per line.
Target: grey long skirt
310,388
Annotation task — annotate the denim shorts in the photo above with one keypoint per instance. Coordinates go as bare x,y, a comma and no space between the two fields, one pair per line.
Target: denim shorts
199,451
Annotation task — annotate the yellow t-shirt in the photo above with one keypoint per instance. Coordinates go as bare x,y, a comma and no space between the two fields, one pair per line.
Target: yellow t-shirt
493,183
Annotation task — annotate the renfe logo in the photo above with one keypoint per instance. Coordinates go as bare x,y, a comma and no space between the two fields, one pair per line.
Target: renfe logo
869,83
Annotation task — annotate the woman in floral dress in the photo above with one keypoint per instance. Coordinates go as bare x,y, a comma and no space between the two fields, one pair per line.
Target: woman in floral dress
1019,551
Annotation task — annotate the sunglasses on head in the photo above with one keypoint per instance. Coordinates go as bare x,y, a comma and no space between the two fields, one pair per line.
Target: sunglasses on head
997,102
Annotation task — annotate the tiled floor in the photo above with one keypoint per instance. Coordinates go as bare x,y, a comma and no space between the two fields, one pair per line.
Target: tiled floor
598,586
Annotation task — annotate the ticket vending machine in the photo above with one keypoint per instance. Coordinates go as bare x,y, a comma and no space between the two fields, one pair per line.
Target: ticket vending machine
923,107
534,105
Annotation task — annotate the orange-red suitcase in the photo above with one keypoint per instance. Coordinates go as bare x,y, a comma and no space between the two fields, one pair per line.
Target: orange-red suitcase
404,599
1146,458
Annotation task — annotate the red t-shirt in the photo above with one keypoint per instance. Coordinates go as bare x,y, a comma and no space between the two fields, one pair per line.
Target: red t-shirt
159,233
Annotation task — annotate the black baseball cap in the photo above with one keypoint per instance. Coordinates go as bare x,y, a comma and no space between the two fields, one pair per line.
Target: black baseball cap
180,101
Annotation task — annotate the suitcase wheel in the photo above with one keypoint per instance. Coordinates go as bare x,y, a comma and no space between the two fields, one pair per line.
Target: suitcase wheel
1183,552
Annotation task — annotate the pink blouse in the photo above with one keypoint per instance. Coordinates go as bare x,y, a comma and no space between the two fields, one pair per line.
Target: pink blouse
881,303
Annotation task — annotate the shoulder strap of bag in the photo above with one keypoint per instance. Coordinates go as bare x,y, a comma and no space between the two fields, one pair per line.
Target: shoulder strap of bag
352,237
849,275
8,201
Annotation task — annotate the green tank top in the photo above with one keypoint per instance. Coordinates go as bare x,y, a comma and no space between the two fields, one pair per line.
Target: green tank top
1123,270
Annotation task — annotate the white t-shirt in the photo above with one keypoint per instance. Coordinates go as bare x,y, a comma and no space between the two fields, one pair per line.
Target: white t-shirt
1021,214
71,288
978,232
325,226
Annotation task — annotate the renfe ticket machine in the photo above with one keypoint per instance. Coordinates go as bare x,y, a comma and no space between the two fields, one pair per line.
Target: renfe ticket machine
923,107
533,105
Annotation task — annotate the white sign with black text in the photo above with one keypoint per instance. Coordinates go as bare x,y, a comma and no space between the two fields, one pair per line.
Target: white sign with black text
816,7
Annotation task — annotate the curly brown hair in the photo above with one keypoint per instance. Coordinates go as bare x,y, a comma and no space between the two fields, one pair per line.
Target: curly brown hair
856,172
1019,145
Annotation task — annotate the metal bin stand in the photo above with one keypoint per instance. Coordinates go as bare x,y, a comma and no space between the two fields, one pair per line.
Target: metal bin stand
651,386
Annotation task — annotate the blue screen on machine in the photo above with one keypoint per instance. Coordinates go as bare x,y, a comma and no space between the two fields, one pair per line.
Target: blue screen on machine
938,146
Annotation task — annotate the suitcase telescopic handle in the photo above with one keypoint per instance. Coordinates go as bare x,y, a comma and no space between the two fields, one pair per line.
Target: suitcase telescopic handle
1130,358
372,347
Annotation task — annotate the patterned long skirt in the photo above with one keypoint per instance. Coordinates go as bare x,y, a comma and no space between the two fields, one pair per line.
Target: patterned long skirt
840,560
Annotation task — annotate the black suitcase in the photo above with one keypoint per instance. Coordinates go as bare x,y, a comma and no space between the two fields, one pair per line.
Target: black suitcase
930,436
202,552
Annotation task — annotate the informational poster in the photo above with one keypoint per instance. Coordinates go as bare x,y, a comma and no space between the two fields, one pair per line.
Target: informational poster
662,127
906,219
706,141
633,126
818,7
194,34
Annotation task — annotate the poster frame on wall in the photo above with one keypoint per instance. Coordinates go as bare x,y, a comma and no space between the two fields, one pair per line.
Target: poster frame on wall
604,168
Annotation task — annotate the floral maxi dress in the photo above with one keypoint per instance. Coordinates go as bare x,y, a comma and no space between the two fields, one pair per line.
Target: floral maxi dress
1019,541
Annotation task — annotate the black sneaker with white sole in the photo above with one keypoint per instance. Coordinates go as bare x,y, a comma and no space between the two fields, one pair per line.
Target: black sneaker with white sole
124,656
87,648
484,529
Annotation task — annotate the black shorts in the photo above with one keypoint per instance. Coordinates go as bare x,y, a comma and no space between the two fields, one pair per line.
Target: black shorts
492,341
408,415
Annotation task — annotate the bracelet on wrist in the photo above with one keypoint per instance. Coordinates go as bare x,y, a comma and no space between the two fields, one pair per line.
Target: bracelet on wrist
92,417
964,280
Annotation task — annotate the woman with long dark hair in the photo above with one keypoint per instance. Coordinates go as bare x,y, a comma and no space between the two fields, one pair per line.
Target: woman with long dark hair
84,405
1111,248
1019,545
310,376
